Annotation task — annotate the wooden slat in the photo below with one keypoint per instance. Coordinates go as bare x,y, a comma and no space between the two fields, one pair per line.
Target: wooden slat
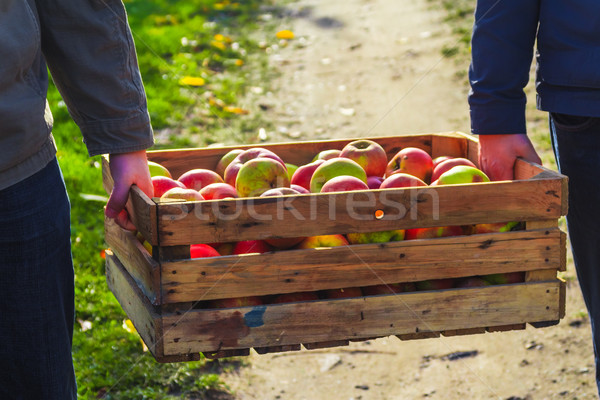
316,321
418,335
135,259
326,345
145,318
453,145
278,349
371,264
463,332
506,328
180,161
330,213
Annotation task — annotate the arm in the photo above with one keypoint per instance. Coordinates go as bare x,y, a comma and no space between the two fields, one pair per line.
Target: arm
89,50
502,49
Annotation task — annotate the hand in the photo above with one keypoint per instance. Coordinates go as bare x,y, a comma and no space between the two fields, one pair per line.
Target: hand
127,169
498,154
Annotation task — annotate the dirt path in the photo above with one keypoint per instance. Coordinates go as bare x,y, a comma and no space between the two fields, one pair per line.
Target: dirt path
369,68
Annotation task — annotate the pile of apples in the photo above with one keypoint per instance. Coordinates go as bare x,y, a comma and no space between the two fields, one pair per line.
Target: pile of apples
360,165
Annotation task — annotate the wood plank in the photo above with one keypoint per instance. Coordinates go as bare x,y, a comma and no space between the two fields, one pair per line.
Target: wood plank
540,275
506,328
180,161
419,335
316,321
142,314
450,144
278,349
135,259
326,345
330,213
463,332
370,264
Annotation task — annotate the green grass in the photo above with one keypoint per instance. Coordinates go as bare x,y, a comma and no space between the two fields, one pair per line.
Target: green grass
215,41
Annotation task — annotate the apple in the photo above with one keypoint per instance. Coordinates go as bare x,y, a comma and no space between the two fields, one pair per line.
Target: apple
140,237
382,289
368,154
226,160
400,180
279,191
202,250
232,170
182,194
251,246
344,183
312,242
327,155
440,159
411,160
198,178
495,227
302,175
335,167
299,189
282,243
375,237
343,293
236,302
162,183
435,284
294,297
374,182
461,174
259,175
157,169
217,191
435,232
224,249
291,168
472,281
448,164
504,278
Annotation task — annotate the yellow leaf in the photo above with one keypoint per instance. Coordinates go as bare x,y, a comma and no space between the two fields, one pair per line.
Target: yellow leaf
285,34
222,38
192,81
218,45
236,110
128,326
239,62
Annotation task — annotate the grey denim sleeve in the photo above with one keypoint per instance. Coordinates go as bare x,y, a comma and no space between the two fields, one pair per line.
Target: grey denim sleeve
90,52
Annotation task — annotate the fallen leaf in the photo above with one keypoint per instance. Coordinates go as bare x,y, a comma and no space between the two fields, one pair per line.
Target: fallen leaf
192,81
285,34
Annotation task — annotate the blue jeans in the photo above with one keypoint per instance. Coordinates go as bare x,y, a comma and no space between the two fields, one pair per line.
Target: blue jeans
576,142
36,289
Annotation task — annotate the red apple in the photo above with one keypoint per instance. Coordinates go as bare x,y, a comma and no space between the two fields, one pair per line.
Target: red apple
217,191
327,155
368,154
343,293
224,249
435,232
495,227
299,189
440,159
232,170
294,297
251,246
202,250
411,160
312,242
303,174
374,182
226,160
435,284
382,289
198,178
344,183
448,164
461,174
162,183
182,194
259,175
279,191
236,302
335,167
400,180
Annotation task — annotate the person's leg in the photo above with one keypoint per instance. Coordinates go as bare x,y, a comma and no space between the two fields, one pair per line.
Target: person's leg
36,289
576,142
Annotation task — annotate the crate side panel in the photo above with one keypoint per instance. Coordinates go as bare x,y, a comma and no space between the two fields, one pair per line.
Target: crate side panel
331,213
135,304
372,264
310,322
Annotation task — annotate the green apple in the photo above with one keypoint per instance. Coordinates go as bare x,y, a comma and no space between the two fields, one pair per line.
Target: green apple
335,167
226,160
376,237
291,168
327,155
157,169
259,175
461,174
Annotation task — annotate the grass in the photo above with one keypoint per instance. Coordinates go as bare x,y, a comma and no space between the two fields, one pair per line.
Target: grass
198,59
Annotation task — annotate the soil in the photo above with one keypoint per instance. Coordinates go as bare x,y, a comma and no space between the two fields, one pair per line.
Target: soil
360,68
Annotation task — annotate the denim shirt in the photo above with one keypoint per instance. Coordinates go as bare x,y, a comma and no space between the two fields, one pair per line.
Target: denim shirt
568,61
88,48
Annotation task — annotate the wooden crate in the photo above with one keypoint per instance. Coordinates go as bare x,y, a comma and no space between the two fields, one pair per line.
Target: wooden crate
165,295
